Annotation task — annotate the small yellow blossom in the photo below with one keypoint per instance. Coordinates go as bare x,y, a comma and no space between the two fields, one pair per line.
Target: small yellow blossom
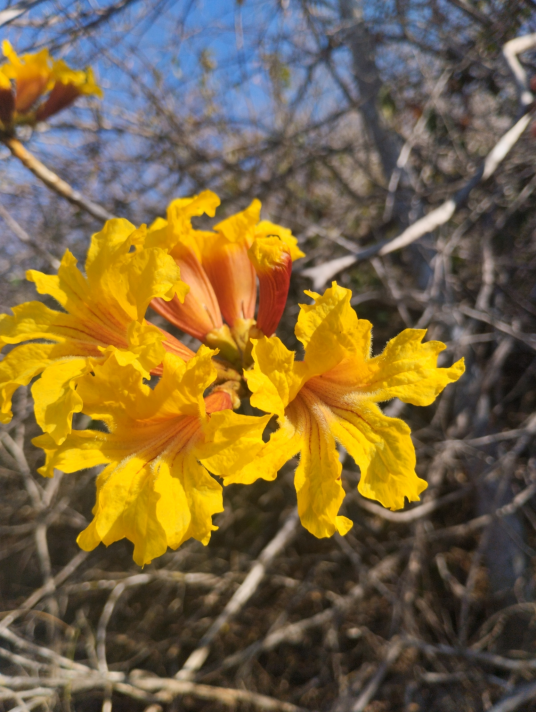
331,396
156,490
104,313
33,75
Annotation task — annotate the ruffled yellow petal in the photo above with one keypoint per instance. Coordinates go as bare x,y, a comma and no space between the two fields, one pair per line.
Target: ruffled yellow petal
204,498
80,450
110,246
283,445
122,272
181,388
318,477
83,80
145,346
34,320
154,505
269,229
115,393
382,448
231,442
17,369
120,284
330,330
177,229
161,509
68,287
267,252
180,213
55,396
153,492
276,378
29,360
153,274
407,369
238,228
126,508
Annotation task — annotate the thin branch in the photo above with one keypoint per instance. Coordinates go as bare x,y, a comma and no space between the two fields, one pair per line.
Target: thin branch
248,587
528,339
11,13
227,696
396,646
497,661
512,702
412,515
321,274
405,153
103,624
54,182
510,52
23,236
294,633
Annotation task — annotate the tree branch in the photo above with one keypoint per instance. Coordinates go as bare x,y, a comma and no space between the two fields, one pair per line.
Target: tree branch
54,182
322,274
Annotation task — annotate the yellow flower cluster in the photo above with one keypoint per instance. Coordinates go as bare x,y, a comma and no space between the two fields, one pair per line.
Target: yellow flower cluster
25,80
162,444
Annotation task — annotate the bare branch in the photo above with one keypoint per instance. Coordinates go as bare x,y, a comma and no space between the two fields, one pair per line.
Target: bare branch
396,646
511,50
197,658
520,695
322,274
54,182
11,13
23,236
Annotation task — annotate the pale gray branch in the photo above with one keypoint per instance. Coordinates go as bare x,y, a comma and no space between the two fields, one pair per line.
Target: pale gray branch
197,658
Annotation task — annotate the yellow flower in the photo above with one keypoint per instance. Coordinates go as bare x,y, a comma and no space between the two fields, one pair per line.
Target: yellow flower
221,269
199,314
232,272
69,84
155,490
331,396
34,75
104,313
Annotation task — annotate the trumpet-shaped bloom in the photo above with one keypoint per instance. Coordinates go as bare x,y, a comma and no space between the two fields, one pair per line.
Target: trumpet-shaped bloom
228,263
104,313
222,268
199,314
156,490
33,76
332,395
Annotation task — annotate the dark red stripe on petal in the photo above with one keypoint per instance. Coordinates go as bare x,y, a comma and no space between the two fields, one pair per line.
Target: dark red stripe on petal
273,291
